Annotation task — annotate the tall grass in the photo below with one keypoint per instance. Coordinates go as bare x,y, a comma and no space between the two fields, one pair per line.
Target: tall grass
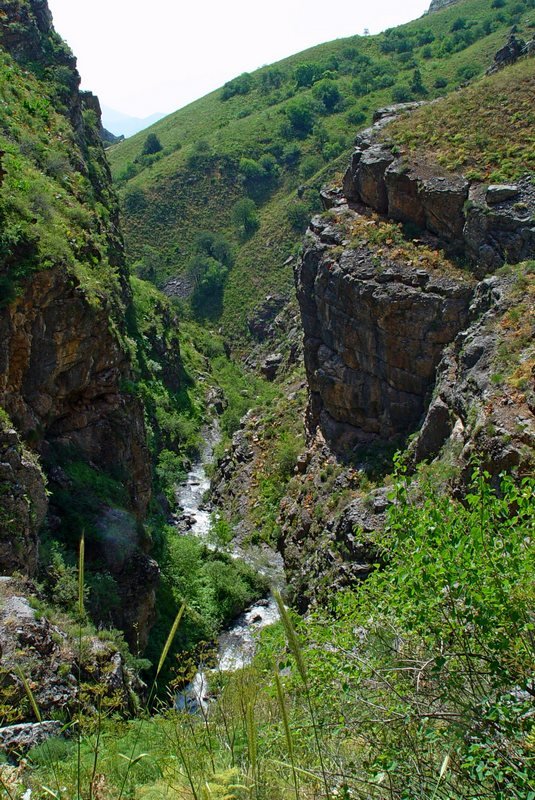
297,652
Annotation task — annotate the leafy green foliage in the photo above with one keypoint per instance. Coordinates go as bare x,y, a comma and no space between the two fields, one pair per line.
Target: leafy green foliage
245,217
419,682
55,194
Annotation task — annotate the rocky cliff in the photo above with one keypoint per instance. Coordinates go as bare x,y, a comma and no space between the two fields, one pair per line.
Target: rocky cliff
375,322
379,302
65,360
406,331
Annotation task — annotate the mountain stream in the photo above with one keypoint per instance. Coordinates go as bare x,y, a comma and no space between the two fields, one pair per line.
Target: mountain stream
236,645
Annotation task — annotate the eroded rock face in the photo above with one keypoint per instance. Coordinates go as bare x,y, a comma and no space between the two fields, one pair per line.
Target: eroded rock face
61,369
51,660
471,412
23,504
500,225
374,332
437,5
64,363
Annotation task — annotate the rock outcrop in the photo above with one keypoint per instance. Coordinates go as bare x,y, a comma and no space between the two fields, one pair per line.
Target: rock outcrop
437,5
61,370
484,398
23,505
374,331
49,657
65,356
488,225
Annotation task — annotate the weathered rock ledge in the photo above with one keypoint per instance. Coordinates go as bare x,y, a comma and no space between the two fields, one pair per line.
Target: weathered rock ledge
488,225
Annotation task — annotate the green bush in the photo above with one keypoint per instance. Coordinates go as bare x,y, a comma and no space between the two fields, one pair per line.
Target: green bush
301,113
240,85
245,216
151,145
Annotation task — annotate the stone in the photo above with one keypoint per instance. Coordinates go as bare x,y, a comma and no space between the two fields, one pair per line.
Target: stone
24,504
331,197
502,231
403,191
443,200
438,5
497,193
508,54
271,366
470,413
18,739
370,185
260,323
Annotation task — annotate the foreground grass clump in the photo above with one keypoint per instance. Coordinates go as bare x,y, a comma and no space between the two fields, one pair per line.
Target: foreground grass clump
416,685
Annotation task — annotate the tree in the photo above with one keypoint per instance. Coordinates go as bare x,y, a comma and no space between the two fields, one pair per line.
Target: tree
152,145
245,216
300,113
216,246
328,93
307,74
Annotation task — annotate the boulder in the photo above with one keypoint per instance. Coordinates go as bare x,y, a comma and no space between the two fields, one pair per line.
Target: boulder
18,739
403,191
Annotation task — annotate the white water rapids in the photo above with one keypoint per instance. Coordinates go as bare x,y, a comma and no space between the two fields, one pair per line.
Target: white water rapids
236,645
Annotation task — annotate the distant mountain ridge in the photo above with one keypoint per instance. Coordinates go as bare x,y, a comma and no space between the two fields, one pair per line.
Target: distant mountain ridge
118,123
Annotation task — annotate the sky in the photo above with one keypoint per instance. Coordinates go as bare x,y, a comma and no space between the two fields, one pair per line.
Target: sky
147,56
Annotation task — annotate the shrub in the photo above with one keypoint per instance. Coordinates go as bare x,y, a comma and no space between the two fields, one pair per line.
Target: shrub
298,215
300,113
309,166
355,116
245,216
151,145
401,94
328,93
307,74
240,85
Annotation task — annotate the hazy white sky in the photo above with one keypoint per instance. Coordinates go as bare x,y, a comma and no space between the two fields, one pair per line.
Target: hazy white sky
145,56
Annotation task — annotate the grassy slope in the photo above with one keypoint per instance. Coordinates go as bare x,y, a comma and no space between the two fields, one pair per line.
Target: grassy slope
52,215
487,130
172,201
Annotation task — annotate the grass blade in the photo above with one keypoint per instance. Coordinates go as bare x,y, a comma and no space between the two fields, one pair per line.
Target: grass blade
81,570
287,733
170,638
291,636
30,695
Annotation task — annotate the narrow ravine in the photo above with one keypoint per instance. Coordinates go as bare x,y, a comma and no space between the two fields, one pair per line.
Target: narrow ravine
236,645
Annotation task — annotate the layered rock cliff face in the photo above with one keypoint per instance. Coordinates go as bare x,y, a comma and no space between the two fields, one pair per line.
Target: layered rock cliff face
64,363
487,224
398,340
374,330
377,312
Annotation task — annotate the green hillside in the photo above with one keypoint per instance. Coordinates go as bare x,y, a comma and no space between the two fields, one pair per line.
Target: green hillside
285,126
